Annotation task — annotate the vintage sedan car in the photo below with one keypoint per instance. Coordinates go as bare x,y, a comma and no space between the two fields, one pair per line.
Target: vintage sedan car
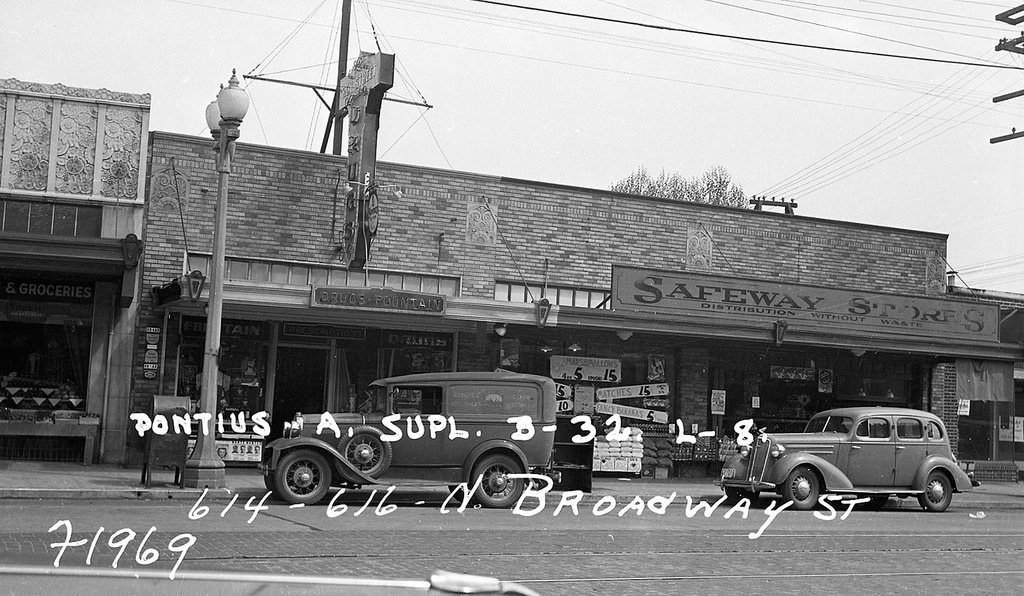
446,428
873,452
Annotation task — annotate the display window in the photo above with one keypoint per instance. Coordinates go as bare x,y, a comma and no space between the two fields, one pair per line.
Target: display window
405,352
992,431
242,364
782,392
45,365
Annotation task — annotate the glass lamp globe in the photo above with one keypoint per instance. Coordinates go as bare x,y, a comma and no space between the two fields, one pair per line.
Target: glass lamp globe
232,101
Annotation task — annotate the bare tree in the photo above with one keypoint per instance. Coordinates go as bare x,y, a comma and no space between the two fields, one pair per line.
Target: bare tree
715,186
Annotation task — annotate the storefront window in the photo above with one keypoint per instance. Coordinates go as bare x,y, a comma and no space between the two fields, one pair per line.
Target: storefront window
242,365
404,352
45,333
992,431
990,422
44,366
782,392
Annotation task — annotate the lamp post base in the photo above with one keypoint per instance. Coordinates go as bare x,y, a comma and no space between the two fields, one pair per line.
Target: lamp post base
200,473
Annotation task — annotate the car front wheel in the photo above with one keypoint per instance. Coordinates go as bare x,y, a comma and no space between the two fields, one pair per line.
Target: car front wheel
302,476
802,487
938,493
497,490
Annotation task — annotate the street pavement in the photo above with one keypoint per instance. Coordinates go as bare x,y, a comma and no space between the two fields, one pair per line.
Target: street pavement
975,547
46,480
901,549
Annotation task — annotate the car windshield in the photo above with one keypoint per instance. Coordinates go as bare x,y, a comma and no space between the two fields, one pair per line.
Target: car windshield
373,400
829,424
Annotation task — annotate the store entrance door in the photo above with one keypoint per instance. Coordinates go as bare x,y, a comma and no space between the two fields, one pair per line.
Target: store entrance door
300,384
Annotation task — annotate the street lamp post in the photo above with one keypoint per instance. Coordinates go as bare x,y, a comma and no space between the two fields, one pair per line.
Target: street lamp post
223,116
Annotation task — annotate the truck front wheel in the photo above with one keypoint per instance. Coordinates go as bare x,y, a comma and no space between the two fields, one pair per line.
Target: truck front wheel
302,476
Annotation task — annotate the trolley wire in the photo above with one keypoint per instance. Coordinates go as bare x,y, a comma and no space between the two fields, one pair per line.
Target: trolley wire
753,39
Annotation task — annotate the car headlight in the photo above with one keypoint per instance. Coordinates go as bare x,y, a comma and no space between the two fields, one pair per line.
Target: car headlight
777,450
744,451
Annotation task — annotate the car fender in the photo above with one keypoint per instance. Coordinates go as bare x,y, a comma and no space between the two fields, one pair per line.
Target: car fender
350,473
834,479
492,445
961,481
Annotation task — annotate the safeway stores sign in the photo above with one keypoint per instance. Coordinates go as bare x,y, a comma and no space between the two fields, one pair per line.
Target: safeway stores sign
645,290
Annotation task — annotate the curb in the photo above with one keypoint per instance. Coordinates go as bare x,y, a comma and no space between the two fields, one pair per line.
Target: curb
623,494
120,493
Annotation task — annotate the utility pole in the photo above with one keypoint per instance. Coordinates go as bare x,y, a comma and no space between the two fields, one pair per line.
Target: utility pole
337,117
1013,17
358,94
760,202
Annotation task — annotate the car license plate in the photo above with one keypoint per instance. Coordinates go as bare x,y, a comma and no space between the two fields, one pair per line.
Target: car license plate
728,473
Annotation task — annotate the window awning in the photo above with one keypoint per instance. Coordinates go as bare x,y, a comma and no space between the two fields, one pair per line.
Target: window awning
984,380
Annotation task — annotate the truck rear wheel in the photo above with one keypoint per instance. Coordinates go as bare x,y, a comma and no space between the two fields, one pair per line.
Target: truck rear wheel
497,490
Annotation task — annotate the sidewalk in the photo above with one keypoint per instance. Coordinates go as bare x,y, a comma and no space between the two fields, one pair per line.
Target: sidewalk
43,480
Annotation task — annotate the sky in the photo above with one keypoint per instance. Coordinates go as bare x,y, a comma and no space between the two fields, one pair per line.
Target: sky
851,135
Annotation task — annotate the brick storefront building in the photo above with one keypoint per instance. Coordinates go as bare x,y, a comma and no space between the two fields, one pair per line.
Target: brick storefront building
777,316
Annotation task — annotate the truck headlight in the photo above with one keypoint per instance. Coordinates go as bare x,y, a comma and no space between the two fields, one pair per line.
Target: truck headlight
293,428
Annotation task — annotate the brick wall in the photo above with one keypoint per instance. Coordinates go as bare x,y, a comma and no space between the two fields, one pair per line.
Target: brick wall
282,205
692,397
944,400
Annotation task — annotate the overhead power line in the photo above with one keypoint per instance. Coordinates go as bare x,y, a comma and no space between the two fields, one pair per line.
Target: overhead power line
746,38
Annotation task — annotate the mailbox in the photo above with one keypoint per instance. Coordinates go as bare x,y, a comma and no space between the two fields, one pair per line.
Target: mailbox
167,450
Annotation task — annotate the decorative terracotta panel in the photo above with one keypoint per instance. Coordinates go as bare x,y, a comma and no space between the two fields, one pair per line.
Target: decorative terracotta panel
30,149
481,224
76,148
698,248
122,144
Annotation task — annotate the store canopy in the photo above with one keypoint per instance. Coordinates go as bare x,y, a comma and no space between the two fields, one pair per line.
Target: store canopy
984,380
99,258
